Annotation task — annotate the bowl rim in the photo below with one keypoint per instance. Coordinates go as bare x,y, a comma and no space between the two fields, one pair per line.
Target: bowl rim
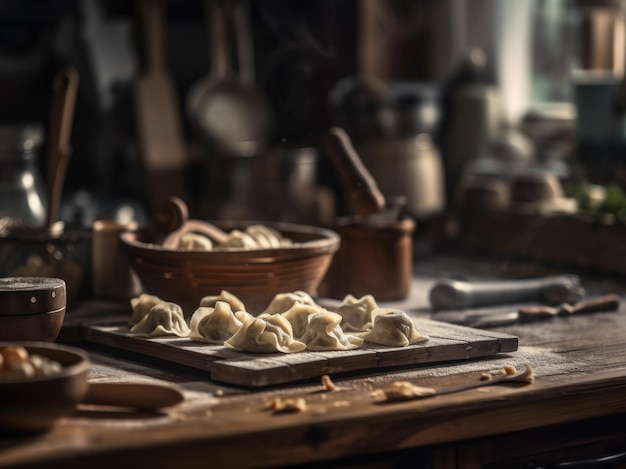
82,365
328,242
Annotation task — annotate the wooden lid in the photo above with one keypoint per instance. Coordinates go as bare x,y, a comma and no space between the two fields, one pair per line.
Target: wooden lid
31,295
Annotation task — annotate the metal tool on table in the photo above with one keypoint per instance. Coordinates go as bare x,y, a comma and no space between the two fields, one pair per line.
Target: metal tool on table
458,294
526,314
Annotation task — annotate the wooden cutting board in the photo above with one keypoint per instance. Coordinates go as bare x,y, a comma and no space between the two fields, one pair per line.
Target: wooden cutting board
447,342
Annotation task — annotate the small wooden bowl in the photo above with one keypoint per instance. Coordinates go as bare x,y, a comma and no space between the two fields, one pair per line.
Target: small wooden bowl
34,404
32,308
39,326
254,275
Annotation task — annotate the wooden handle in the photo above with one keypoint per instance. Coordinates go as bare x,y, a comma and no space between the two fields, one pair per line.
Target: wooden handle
218,43
151,14
64,90
363,193
134,395
600,303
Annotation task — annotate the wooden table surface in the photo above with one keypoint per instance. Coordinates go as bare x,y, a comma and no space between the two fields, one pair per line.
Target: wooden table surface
579,364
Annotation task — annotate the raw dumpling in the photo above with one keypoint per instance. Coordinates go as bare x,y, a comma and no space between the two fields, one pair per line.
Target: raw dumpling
239,239
214,325
283,301
163,319
278,321
235,303
298,316
393,327
357,313
324,333
256,335
264,236
194,242
141,305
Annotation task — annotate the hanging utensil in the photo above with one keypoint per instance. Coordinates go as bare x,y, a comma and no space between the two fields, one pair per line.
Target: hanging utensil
160,133
50,261
231,116
64,89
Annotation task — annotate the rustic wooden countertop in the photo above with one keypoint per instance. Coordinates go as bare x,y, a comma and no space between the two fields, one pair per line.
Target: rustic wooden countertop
579,364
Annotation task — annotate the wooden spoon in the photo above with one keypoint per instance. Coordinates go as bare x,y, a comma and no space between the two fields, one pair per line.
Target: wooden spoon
361,188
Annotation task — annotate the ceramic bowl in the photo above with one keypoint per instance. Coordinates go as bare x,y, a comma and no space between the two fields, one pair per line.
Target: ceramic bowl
34,404
253,275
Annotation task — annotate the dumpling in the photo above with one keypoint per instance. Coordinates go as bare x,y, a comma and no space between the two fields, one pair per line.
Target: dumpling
141,305
214,325
324,332
239,239
264,236
357,313
298,317
235,303
256,335
194,242
393,327
278,321
163,319
283,301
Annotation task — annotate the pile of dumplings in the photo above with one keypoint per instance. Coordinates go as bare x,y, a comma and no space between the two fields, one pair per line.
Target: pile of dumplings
253,237
292,322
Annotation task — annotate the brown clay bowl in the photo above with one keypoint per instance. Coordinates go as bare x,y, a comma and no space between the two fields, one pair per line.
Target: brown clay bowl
43,326
253,275
34,404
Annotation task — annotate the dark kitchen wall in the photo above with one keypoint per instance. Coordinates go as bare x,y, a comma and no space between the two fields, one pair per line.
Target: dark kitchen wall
301,50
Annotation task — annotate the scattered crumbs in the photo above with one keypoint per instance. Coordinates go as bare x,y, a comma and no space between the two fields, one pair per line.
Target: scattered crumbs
509,370
377,394
486,377
528,375
323,397
280,406
341,404
404,391
320,411
327,383
218,393
208,413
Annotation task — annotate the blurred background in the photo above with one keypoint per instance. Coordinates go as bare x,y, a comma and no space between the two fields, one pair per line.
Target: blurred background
452,105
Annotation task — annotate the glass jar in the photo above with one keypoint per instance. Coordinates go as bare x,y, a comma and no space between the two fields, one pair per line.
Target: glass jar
22,195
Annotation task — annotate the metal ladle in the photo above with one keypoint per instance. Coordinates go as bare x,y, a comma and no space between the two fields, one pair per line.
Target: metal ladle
231,115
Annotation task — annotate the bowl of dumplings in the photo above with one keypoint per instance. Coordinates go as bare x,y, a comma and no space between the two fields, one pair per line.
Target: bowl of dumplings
182,260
